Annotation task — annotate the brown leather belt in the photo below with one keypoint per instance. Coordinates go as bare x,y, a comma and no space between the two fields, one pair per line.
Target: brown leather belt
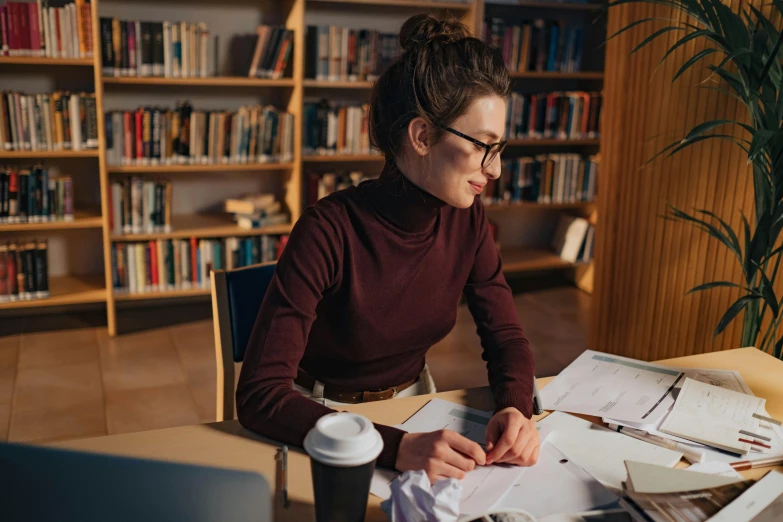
307,381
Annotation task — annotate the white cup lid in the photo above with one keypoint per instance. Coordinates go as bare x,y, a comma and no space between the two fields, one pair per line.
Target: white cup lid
343,440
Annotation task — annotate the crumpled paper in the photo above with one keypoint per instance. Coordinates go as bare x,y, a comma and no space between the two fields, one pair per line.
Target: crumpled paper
413,499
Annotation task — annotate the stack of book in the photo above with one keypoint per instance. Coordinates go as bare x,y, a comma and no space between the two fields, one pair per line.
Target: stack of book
554,115
183,264
331,129
30,195
273,48
138,206
321,185
574,239
168,49
551,178
24,271
538,45
256,211
184,136
342,54
48,122
33,29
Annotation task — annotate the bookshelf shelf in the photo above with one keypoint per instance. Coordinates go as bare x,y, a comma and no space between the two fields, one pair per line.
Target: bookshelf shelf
583,75
214,81
171,169
327,84
42,60
66,290
565,6
521,259
461,6
535,204
43,154
554,143
80,220
167,294
342,158
203,226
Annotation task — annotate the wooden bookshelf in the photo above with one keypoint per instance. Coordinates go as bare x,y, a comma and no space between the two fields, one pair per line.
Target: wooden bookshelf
165,294
338,158
180,169
66,290
48,154
203,226
81,219
423,5
214,81
42,60
537,205
554,143
563,6
524,259
554,75
328,84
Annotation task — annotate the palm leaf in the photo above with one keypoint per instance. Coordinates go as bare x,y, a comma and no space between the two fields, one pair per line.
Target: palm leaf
693,59
732,312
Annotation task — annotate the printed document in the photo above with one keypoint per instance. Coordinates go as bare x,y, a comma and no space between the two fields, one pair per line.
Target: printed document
614,387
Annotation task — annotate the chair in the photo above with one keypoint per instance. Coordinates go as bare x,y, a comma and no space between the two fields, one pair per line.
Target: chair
236,298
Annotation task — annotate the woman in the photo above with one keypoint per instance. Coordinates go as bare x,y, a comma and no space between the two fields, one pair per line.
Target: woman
371,276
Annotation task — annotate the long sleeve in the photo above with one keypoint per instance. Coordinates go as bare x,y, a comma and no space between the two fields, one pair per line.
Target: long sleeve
505,348
266,400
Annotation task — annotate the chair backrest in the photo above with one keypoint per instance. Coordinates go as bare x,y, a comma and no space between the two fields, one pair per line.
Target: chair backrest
236,299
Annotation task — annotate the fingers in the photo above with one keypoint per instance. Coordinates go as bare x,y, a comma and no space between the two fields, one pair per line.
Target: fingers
438,469
529,455
505,442
465,446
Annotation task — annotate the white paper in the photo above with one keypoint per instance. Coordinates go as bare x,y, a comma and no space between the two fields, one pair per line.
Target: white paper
762,502
413,499
652,479
600,451
555,485
722,469
614,387
482,487
713,415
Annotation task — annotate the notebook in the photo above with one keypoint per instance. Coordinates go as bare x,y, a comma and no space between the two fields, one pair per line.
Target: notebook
713,416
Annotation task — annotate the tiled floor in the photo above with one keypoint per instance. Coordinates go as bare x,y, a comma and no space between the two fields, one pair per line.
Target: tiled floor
80,383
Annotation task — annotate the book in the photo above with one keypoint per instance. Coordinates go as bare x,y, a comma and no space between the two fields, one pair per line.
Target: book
336,129
34,29
335,53
569,236
140,206
24,270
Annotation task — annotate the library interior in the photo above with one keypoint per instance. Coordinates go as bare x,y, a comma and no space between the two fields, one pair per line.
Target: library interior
391,260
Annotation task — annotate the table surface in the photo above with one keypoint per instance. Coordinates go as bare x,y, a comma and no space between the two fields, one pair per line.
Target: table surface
229,445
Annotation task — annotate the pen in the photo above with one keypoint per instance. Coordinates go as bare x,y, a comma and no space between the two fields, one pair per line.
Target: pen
538,407
757,463
692,455
755,443
282,459
755,435
767,419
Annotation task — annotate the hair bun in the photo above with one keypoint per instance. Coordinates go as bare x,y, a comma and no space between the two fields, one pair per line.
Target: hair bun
422,28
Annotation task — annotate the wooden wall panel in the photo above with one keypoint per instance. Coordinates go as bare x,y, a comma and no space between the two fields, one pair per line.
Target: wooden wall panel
644,264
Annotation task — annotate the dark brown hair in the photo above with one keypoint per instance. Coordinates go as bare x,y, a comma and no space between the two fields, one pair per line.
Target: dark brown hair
441,71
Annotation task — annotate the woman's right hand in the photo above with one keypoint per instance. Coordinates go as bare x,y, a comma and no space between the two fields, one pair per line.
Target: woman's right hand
441,454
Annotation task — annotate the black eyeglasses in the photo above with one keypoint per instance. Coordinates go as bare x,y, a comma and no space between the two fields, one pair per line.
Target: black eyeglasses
491,150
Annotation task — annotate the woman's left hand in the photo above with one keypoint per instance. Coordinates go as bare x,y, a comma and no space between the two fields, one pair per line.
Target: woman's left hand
512,438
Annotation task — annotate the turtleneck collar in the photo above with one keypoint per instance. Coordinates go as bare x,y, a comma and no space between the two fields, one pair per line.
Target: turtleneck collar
398,200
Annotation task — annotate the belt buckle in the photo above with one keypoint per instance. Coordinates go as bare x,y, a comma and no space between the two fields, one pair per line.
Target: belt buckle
394,392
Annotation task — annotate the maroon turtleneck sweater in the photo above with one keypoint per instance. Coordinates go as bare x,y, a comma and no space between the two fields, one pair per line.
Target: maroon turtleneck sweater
370,279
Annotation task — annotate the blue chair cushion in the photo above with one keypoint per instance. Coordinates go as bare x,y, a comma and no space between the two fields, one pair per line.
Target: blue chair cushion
246,291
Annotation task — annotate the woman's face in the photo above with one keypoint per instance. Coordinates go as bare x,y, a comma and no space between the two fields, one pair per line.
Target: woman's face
451,169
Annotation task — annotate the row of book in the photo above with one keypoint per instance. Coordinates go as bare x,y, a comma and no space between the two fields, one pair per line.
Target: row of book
138,206
182,264
539,45
35,29
574,239
48,122
321,185
331,128
184,136
168,49
24,271
256,211
551,178
341,54
31,195
273,48
555,115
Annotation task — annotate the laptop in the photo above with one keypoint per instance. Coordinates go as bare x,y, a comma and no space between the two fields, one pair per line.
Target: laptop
49,484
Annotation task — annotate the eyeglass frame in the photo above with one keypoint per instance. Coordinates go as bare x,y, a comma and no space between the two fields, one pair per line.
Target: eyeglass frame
486,146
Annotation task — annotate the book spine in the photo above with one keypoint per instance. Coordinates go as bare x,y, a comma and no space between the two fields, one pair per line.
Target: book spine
29,275
11,268
41,270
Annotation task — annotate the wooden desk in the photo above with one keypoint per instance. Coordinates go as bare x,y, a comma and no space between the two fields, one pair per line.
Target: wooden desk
227,444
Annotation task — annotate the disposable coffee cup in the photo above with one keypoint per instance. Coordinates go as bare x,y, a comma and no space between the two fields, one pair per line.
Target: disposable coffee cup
342,448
